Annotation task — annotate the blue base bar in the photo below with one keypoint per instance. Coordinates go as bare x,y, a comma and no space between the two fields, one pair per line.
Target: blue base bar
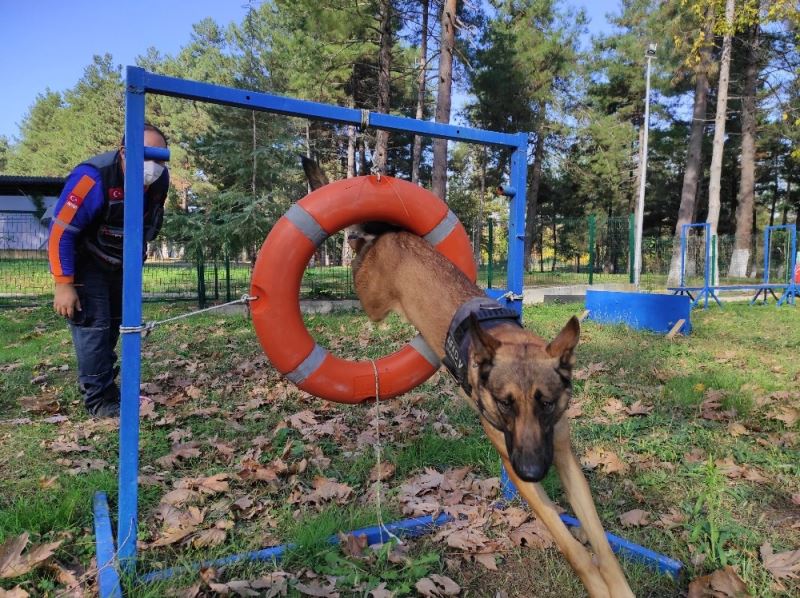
406,528
634,552
107,576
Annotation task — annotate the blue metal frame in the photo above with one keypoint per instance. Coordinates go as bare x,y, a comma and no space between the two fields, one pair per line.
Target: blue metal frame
140,82
707,290
791,289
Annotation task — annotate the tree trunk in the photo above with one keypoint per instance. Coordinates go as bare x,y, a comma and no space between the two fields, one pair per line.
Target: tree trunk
747,182
719,131
255,158
347,253
533,193
385,59
694,158
476,248
439,182
421,80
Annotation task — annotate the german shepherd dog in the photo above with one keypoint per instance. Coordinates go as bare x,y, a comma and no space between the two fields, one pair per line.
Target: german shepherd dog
518,383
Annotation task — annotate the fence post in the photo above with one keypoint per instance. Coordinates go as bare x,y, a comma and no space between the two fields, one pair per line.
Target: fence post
227,276
714,260
201,279
631,244
216,278
591,248
490,250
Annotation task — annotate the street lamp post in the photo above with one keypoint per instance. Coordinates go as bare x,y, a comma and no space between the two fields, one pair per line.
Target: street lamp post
637,259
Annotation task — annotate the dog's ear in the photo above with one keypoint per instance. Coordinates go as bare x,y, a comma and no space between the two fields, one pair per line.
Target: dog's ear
315,175
356,241
563,346
484,345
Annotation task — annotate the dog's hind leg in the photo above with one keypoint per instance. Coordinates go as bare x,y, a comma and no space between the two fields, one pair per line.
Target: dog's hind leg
579,496
578,557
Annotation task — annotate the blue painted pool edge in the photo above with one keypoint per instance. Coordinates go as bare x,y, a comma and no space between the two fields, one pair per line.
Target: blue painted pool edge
649,311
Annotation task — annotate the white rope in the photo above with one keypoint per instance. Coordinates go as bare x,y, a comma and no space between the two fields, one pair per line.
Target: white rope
145,329
378,451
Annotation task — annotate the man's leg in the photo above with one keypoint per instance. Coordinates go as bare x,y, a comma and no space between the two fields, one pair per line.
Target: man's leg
91,336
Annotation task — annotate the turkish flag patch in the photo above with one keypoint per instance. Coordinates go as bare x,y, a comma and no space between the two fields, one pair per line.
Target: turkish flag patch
116,193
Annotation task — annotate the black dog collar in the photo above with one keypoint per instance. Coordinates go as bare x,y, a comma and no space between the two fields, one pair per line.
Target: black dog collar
457,343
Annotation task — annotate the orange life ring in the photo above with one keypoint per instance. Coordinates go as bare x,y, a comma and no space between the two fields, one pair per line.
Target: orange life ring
289,247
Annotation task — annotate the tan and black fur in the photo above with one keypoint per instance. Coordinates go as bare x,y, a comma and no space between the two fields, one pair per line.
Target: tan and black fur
521,384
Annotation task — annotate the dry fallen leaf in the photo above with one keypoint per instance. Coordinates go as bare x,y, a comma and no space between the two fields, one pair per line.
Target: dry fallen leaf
635,518
533,534
638,408
15,592
723,583
209,537
781,565
316,589
13,563
436,586
609,461
384,473
353,546
736,429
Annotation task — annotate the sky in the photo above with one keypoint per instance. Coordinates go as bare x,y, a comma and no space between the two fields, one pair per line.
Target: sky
48,43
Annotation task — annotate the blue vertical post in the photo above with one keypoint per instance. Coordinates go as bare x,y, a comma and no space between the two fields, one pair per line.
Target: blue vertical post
516,220
706,290
516,249
131,318
766,254
683,255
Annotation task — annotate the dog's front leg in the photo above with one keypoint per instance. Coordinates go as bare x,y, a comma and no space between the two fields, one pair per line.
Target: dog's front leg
580,497
545,510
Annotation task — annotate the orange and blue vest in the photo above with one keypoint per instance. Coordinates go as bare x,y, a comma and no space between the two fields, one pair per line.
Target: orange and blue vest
88,217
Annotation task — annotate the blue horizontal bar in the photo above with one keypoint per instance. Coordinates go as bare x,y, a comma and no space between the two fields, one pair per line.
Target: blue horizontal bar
637,553
156,153
733,287
634,552
407,528
256,100
107,575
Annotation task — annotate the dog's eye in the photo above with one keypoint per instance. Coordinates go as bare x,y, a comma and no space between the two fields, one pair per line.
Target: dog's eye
547,406
506,401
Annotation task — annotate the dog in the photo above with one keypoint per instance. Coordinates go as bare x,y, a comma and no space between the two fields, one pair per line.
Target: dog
518,383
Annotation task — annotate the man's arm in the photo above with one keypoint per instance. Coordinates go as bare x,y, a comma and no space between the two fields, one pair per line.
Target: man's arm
80,202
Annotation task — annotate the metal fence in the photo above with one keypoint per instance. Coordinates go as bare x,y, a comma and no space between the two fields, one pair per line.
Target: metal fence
567,251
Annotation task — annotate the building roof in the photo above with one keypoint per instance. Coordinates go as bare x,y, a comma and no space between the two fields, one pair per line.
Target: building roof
31,185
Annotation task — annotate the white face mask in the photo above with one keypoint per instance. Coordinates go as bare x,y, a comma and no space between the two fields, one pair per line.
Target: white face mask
152,170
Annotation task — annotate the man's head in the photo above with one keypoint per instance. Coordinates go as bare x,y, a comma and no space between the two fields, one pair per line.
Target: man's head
153,137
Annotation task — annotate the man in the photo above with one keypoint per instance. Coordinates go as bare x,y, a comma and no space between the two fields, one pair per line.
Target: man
85,253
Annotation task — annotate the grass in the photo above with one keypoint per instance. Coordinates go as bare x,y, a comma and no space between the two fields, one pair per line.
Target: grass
678,462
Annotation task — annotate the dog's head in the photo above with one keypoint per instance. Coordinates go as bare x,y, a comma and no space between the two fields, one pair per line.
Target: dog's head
522,388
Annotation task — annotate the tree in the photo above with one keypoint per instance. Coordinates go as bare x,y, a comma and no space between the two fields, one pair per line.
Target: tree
694,158
421,86
384,66
443,97
715,173
5,150
746,197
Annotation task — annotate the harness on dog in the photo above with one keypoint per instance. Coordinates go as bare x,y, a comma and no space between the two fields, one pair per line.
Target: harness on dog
457,343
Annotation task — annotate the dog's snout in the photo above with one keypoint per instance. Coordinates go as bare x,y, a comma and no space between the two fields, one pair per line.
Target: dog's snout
529,468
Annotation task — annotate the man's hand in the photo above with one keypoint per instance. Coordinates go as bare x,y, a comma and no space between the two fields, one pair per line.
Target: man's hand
66,300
